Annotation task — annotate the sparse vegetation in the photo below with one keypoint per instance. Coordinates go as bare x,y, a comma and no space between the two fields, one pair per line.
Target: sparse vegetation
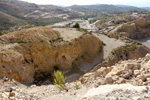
20,41
59,80
76,84
59,39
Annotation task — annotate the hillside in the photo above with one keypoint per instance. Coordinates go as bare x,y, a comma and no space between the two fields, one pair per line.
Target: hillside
34,14
49,14
96,9
7,21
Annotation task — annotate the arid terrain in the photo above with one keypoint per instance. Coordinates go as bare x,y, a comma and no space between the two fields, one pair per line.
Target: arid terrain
103,52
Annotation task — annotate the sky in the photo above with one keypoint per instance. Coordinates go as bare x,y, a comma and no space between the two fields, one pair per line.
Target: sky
138,3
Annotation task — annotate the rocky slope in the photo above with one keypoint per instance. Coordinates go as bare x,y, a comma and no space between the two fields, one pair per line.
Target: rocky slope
137,29
27,54
112,82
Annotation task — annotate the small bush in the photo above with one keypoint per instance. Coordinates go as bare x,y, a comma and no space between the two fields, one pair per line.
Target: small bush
76,84
76,25
20,41
59,80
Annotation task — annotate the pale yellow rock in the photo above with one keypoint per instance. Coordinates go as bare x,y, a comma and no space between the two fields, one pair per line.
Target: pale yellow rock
129,28
27,53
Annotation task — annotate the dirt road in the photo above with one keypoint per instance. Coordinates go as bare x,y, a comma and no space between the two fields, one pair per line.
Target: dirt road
111,43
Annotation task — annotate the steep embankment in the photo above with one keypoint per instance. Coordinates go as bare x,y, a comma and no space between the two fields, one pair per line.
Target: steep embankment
30,54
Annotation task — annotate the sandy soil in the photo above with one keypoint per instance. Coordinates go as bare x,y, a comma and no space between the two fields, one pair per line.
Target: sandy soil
68,33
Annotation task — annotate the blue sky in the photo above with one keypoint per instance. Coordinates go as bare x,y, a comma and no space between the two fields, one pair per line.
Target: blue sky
139,3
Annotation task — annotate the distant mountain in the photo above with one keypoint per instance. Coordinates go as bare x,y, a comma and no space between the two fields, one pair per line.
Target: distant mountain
32,13
146,8
125,6
103,8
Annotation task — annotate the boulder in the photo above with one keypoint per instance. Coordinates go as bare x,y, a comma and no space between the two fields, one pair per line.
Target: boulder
109,80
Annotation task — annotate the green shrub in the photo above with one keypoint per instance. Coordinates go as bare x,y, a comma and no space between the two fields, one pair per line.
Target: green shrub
59,80
20,41
76,25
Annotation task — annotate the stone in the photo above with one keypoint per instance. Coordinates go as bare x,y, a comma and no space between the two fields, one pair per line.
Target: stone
142,77
102,71
8,89
136,72
11,94
126,74
108,80
121,80
101,82
5,79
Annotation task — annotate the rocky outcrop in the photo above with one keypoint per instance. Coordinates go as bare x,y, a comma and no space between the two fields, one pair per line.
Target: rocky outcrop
25,54
142,22
132,51
135,72
137,29
128,27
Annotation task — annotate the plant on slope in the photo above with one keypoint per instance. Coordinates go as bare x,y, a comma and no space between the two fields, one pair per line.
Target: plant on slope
76,84
76,25
59,80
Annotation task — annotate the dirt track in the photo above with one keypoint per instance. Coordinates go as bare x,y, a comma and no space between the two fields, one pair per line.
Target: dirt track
111,43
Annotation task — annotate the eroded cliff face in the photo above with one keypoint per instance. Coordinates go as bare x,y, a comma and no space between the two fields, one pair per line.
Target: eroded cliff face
137,29
27,53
